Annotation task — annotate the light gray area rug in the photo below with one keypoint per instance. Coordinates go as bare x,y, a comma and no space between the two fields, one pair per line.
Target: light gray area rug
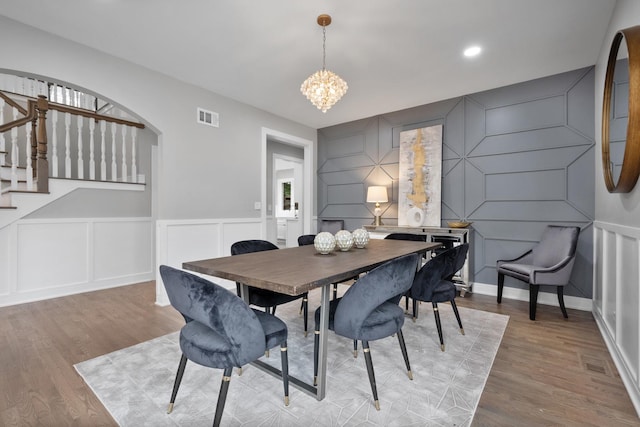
135,383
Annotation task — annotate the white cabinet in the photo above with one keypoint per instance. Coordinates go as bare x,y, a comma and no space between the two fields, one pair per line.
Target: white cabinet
449,237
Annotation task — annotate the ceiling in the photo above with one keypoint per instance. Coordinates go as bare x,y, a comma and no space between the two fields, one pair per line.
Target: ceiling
394,54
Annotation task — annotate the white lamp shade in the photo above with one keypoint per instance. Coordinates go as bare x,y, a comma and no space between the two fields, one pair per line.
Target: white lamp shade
377,194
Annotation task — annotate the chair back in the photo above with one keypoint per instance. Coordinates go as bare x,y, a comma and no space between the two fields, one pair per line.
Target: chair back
431,274
199,300
459,254
556,244
385,283
407,236
306,239
331,225
248,246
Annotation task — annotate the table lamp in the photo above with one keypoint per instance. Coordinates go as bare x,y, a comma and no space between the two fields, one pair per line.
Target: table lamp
377,194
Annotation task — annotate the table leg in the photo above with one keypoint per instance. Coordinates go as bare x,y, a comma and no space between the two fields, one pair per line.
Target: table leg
322,349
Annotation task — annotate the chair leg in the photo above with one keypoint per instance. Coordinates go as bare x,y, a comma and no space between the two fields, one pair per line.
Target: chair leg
455,311
533,300
305,304
285,371
335,290
316,345
355,349
301,307
561,302
405,355
176,383
414,305
436,315
222,397
500,286
372,376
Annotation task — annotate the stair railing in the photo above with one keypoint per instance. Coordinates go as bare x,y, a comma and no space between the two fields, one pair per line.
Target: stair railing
34,121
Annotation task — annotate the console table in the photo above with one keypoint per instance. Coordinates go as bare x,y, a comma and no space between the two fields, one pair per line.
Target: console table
449,237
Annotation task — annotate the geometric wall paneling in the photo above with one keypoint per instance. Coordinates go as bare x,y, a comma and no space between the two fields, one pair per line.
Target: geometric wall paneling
515,159
535,160
579,185
454,130
535,210
537,114
347,176
582,93
474,121
536,185
453,189
473,189
533,89
531,140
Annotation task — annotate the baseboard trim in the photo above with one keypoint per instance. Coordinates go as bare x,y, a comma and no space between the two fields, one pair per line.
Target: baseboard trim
546,298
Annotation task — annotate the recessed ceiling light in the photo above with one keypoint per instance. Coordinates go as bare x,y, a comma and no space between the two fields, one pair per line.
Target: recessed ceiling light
472,51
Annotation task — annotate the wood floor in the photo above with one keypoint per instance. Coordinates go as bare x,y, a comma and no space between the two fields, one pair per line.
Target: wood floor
548,372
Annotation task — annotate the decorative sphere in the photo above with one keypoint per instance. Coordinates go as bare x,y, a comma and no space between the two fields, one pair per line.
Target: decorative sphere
344,240
324,242
360,237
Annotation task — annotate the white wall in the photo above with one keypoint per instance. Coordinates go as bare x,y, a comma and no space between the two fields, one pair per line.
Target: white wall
616,294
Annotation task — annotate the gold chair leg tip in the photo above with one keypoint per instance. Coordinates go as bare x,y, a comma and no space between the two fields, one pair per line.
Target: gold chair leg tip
377,405
305,334
442,347
266,353
315,381
462,331
286,401
410,375
414,320
355,354
239,371
170,408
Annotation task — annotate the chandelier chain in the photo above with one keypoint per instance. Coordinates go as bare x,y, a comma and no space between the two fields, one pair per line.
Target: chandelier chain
324,48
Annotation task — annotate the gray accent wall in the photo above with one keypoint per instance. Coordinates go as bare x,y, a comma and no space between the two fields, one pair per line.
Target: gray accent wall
515,159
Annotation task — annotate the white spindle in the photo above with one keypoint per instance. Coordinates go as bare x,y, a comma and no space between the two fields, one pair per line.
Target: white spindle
134,167
124,153
29,169
3,147
103,152
114,166
92,161
80,149
55,96
67,145
67,96
14,153
54,143
43,88
32,84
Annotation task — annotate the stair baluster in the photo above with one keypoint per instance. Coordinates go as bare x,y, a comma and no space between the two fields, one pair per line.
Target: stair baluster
54,142
124,154
92,160
134,167
29,171
14,153
114,167
80,154
3,147
67,145
103,151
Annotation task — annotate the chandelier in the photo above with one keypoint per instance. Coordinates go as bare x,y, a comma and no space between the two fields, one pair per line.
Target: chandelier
324,88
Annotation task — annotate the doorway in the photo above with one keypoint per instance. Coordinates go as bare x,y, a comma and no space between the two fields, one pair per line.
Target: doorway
303,185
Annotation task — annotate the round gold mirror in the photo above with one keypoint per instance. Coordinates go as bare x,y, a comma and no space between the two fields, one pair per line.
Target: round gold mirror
621,113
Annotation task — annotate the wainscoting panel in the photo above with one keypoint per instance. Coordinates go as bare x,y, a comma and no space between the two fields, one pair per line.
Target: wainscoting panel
50,258
188,240
617,297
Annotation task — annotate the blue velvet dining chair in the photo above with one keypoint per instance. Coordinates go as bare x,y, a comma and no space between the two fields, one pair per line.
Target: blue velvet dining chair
266,299
410,237
369,311
221,331
434,283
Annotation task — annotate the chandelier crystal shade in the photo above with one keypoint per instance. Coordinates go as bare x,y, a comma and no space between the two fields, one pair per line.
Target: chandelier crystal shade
324,88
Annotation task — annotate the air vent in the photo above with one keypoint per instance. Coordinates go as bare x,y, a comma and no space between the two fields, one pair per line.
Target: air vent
208,118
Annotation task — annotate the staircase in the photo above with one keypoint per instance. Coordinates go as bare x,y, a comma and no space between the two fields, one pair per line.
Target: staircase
48,149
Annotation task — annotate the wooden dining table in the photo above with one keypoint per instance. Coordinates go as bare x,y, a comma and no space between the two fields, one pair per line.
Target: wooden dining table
296,270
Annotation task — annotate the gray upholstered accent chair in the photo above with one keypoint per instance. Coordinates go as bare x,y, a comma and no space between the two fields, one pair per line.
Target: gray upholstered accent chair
369,311
266,299
221,331
331,225
433,283
550,262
